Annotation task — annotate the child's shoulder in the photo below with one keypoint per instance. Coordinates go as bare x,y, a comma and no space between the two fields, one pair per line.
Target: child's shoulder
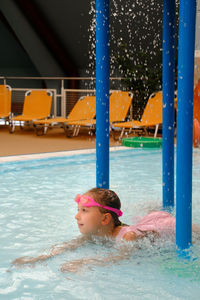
124,232
130,236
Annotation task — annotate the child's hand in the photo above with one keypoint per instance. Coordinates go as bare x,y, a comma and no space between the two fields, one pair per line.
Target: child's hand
76,265
72,266
30,260
24,260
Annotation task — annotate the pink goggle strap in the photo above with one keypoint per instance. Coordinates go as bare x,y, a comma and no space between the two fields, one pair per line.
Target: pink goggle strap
88,201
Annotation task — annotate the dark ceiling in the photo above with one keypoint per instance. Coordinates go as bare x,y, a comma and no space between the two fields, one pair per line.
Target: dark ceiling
51,38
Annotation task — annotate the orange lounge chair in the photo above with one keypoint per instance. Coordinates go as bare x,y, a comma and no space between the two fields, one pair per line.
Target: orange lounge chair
83,110
5,102
151,117
120,103
196,102
196,116
37,105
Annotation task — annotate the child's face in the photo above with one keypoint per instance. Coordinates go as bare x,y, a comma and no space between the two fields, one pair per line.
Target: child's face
89,220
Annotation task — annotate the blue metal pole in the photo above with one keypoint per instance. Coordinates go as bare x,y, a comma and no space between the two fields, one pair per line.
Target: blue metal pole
186,48
102,93
169,11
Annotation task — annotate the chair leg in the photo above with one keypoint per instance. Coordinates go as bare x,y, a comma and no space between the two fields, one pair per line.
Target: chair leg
113,134
145,131
156,131
22,126
92,130
40,129
68,130
76,130
45,128
121,134
65,127
11,126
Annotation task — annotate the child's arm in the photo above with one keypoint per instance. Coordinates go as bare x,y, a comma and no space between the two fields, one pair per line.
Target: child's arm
125,252
75,265
55,250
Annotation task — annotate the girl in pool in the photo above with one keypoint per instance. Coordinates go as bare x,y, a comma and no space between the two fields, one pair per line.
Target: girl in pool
99,212
98,215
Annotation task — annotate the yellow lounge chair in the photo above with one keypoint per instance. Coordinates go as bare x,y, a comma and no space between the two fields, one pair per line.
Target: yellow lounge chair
120,103
152,116
84,109
5,102
37,105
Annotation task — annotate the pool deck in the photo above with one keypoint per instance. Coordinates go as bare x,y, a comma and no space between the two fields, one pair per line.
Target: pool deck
23,142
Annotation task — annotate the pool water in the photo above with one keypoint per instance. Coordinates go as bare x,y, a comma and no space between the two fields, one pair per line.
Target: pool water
37,210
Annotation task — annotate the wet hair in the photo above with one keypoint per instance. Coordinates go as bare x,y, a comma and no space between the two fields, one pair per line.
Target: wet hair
108,198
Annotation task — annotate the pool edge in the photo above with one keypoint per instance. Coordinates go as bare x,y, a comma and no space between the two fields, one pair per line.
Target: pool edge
22,157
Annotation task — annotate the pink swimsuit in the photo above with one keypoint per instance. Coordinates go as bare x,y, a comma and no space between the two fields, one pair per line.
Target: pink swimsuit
160,221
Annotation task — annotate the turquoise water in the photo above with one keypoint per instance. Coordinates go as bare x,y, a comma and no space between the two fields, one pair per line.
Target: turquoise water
37,210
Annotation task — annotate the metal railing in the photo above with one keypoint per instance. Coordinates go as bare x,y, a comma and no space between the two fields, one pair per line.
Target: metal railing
65,95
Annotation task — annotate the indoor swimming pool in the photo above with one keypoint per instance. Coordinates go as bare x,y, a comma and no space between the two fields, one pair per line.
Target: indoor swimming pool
37,210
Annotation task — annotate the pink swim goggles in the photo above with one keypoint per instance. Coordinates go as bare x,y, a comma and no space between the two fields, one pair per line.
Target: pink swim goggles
88,201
